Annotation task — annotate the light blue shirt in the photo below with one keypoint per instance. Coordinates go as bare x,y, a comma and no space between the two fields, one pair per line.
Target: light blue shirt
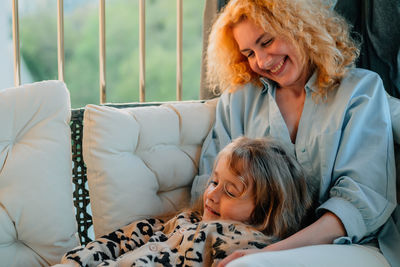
345,144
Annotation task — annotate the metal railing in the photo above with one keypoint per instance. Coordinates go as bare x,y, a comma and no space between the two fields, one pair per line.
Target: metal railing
60,39
15,33
102,47
102,50
179,20
142,49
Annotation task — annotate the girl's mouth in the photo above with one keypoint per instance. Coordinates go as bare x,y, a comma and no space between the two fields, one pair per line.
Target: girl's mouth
212,211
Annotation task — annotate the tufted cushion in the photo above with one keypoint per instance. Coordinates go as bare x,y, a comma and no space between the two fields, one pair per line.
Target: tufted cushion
37,224
141,161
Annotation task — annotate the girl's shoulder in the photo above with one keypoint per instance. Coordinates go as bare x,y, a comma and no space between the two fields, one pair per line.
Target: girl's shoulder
189,215
186,218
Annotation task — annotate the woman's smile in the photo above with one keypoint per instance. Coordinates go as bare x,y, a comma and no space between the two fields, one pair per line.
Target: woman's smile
278,68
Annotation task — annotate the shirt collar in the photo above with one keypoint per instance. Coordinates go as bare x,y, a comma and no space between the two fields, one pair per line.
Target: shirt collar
268,85
310,85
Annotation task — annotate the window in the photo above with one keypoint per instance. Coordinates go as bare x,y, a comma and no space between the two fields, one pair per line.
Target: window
38,34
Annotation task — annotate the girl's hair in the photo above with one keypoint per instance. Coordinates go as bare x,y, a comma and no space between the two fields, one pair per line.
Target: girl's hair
317,32
283,203
282,198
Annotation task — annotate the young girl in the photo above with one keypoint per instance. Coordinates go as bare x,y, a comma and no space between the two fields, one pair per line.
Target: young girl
256,195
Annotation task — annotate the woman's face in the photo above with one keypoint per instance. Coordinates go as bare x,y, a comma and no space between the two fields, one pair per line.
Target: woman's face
270,56
226,197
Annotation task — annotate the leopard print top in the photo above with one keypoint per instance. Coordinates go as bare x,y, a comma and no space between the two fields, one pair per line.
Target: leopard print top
184,240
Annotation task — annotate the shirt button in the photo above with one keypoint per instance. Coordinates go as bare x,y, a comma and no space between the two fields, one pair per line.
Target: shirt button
303,150
153,247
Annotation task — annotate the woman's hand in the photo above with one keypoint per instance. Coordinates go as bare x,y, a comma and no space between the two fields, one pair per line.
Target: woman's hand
237,254
323,231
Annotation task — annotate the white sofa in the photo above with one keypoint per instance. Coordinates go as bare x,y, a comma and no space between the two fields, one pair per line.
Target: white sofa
140,162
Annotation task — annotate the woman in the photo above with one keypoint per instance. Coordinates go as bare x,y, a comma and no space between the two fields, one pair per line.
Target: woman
285,68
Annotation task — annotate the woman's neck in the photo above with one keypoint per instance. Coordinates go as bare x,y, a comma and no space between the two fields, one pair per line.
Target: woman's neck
297,88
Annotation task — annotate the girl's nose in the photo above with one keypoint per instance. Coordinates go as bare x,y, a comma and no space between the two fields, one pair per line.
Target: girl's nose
214,194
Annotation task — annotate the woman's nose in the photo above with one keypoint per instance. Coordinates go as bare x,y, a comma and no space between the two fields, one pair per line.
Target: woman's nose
263,60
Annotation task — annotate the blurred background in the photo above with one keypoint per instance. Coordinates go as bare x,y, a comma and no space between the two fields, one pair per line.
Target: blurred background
38,36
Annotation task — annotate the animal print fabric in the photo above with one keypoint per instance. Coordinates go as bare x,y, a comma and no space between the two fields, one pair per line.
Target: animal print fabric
184,240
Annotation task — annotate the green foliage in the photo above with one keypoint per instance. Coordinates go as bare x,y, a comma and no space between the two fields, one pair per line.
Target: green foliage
39,49
39,46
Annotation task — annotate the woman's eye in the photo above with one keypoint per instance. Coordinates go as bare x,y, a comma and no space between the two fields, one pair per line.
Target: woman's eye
249,54
266,43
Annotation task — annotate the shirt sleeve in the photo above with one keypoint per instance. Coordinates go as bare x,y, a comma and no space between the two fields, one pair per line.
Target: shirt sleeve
217,138
363,188
394,105
111,246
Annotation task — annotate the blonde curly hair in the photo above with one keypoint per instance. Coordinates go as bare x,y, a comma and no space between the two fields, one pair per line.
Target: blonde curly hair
318,33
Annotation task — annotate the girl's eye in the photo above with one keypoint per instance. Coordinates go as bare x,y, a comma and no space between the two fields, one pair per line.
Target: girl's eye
231,190
230,194
212,182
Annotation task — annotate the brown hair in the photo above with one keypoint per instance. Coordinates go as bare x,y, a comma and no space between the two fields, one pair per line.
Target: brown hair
282,198
318,33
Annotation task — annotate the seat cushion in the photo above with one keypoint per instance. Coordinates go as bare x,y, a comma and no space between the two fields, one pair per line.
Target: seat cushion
37,223
316,256
141,161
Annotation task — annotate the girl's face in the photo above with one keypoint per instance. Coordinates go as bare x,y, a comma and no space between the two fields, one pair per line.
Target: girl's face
226,197
270,56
